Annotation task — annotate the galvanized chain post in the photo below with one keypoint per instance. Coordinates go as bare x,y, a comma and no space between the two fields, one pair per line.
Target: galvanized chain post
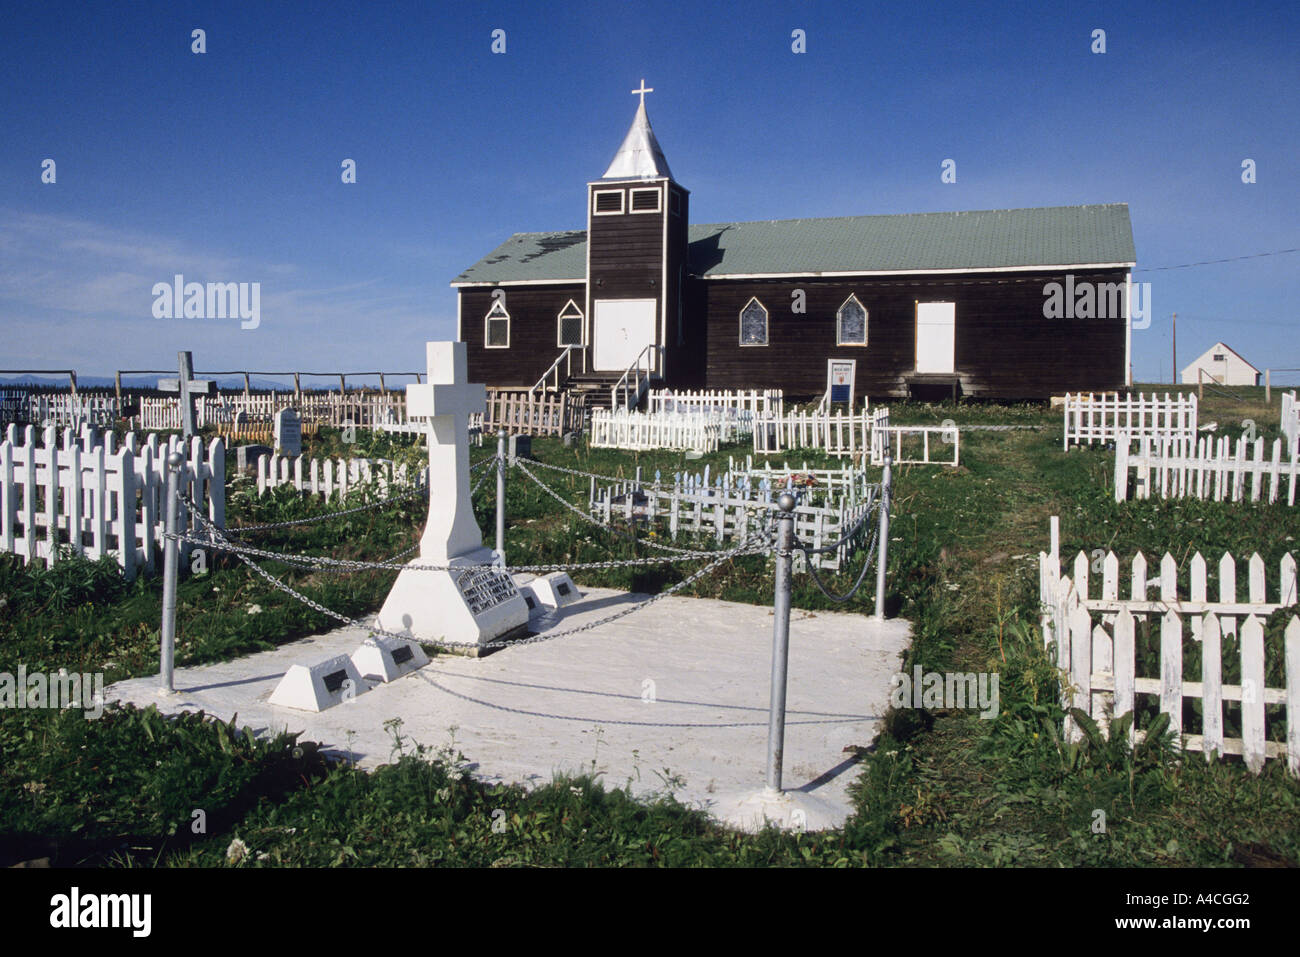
501,494
882,548
171,571
780,641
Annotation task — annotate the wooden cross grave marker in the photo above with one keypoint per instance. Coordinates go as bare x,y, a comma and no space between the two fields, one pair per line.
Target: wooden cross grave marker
188,388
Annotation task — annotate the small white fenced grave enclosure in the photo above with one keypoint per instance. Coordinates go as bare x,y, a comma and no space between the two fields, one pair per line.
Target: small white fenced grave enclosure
757,402
836,433
921,441
464,603
86,494
1205,468
1101,417
330,477
1119,651
639,431
734,506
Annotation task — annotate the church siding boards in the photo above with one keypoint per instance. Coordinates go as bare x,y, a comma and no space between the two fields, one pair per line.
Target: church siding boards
992,265
1003,346
534,331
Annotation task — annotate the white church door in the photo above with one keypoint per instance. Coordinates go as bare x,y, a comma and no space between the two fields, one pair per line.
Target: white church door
936,325
622,328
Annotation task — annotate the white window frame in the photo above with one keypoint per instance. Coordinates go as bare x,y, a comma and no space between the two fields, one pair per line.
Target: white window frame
839,323
659,201
622,201
740,322
582,326
488,319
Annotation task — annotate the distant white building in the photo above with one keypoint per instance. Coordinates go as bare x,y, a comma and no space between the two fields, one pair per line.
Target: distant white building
1223,366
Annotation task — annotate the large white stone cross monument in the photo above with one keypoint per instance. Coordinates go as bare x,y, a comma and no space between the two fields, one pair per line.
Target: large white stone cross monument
474,606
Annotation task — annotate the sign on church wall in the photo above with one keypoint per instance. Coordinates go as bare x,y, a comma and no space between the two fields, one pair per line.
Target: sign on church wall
839,379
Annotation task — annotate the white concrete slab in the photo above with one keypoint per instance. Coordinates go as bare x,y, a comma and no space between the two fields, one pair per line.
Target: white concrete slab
673,697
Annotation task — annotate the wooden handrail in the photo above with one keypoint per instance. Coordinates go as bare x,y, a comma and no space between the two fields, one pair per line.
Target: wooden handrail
565,356
637,385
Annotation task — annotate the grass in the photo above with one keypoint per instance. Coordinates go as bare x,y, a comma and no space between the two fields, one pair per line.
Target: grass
939,788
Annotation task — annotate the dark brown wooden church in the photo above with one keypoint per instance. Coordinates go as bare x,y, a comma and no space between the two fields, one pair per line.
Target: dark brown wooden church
922,302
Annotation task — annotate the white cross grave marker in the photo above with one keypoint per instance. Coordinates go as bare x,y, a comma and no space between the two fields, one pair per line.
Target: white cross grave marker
458,606
187,387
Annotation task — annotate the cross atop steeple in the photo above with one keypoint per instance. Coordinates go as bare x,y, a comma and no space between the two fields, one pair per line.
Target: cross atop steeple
644,90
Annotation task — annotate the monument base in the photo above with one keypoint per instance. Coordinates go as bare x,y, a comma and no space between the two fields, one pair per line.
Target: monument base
472,607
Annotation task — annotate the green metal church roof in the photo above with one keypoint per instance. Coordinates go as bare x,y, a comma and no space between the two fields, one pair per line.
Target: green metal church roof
913,242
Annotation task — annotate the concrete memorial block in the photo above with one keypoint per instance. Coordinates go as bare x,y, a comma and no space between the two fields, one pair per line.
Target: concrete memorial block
246,456
288,432
388,658
555,590
531,599
464,604
319,686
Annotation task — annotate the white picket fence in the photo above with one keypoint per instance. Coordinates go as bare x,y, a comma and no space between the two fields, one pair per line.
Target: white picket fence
84,493
1098,640
65,410
623,429
335,409
845,483
523,412
331,477
1205,468
1291,422
729,508
918,449
835,433
757,402
1102,417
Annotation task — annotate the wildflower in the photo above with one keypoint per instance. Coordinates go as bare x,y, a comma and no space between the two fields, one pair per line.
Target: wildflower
236,852
254,609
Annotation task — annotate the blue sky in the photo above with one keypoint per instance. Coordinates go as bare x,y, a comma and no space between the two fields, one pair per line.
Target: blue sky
225,166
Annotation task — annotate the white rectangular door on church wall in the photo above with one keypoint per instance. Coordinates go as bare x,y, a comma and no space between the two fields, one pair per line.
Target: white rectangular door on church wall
936,325
621,329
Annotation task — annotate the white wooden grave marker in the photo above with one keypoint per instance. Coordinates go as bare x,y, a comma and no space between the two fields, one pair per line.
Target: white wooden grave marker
470,606
187,387
288,432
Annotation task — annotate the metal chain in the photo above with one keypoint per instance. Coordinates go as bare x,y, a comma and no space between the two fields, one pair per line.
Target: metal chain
535,639
821,586
218,542
872,506
417,491
481,479
389,500
568,471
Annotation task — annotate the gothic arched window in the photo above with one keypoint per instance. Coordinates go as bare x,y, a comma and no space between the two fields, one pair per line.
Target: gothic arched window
851,323
753,324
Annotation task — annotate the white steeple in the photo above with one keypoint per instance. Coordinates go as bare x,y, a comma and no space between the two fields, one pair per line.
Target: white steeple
640,156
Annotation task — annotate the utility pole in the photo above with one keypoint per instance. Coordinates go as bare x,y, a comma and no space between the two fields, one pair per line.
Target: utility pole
1173,374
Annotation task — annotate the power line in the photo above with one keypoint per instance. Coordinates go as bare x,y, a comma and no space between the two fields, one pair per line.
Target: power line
1212,262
